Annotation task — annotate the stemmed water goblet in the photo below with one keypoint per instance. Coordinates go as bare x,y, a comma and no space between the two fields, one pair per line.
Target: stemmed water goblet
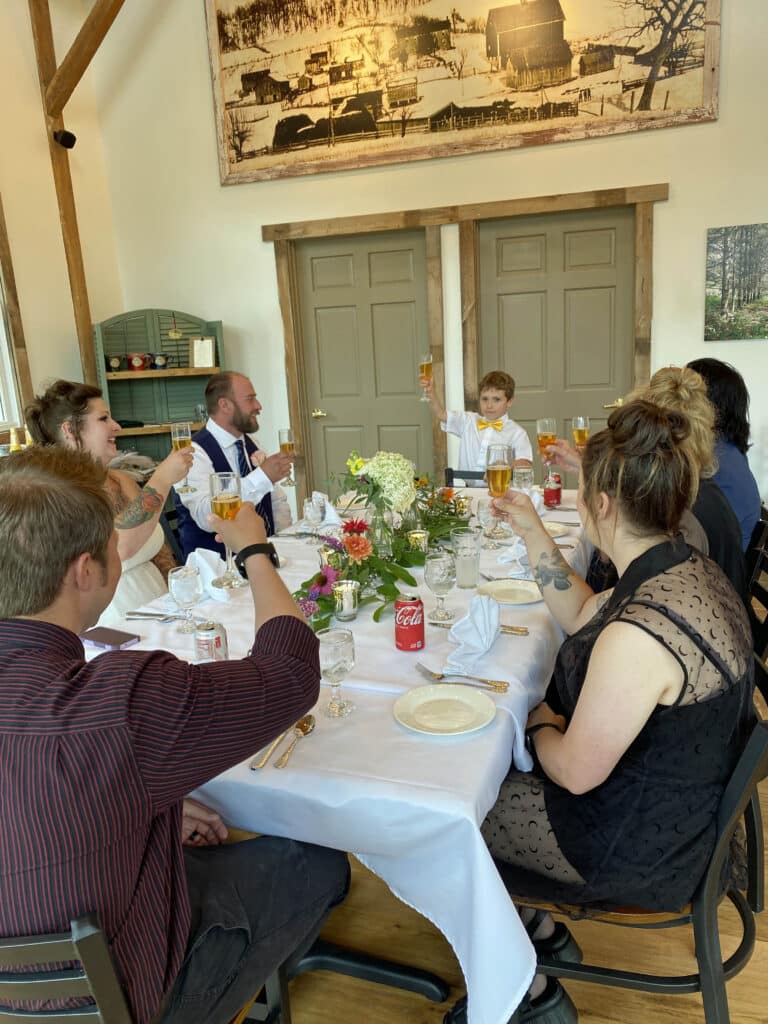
546,434
487,522
440,577
186,589
181,437
225,503
337,659
312,515
287,445
425,371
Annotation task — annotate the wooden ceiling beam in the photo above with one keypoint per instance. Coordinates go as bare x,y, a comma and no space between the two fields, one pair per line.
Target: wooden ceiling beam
42,34
65,78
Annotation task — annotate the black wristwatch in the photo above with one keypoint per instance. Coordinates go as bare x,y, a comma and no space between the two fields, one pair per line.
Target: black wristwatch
256,549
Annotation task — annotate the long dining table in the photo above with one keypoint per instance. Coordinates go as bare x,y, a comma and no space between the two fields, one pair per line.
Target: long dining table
407,805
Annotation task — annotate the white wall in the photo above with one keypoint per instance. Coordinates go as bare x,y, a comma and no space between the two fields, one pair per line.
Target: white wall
29,197
183,240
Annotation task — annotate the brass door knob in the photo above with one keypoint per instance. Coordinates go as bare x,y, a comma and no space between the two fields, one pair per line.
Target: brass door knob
615,405
318,414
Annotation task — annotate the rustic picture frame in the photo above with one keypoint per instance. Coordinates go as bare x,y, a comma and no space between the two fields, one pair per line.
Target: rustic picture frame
300,90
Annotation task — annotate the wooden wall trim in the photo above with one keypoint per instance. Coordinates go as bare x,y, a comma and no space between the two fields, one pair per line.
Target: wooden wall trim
643,292
438,215
18,344
710,95
285,257
436,341
79,56
469,262
42,34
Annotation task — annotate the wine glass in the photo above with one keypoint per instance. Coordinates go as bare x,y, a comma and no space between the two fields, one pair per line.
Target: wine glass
580,429
285,438
225,503
186,589
181,437
337,659
522,478
425,370
486,520
440,577
546,434
312,515
498,473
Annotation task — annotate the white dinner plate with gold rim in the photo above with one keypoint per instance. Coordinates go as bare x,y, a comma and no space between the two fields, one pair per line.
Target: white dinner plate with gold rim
512,591
557,529
445,709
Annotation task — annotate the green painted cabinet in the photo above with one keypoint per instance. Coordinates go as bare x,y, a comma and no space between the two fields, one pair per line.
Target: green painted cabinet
146,401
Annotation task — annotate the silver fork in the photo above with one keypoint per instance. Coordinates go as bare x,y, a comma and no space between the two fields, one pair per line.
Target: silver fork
496,685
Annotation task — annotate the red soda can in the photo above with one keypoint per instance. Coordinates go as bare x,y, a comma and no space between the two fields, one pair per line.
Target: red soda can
210,642
553,491
409,623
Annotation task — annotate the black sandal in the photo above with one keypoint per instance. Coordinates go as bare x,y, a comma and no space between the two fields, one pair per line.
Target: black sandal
553,1006
560,945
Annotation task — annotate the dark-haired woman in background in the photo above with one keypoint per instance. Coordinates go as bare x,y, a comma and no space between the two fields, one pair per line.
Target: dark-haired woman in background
649,704
728,394
77,416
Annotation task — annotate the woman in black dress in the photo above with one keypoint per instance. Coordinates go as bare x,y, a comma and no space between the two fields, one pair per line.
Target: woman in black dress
649,704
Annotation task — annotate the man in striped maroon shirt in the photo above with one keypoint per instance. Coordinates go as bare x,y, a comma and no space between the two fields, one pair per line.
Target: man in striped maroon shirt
96,759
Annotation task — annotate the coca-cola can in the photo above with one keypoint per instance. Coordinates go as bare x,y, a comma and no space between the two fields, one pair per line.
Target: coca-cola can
211,642
409,623
553,490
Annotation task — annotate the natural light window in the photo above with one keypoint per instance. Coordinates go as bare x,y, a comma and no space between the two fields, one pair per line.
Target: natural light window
9,393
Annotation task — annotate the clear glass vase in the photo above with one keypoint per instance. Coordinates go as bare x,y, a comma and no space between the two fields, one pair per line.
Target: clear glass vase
381,532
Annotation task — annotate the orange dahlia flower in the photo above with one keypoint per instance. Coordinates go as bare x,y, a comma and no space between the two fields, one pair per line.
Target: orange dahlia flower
358,547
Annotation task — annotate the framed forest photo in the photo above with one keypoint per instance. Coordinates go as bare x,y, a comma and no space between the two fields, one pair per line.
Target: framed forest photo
737,283
306,86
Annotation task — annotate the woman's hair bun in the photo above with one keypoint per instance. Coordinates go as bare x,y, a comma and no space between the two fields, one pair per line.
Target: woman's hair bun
642,428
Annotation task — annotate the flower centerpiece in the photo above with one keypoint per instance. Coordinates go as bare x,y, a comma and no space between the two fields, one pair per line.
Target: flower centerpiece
373,554
440,509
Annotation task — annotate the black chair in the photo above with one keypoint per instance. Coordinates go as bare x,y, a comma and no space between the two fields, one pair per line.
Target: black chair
757,544
739,801
169,520
462,474
95,976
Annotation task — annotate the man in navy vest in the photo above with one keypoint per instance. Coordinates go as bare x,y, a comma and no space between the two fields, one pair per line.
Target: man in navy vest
223,446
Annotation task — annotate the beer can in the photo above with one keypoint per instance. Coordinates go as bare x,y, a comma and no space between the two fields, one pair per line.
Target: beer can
210,642
409,623
553,490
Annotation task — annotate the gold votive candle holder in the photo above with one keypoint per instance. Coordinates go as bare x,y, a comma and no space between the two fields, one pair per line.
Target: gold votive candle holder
418,540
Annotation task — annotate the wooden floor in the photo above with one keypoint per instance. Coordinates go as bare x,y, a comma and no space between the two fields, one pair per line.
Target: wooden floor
372,919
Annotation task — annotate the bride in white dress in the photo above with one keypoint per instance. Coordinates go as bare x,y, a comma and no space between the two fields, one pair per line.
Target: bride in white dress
77,416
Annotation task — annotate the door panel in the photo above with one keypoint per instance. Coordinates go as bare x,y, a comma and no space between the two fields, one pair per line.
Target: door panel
556,311
363,310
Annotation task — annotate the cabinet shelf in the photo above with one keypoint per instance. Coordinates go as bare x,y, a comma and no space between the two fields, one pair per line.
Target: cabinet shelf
152,428
186,371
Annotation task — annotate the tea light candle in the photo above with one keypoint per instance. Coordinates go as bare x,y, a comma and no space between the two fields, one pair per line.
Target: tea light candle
418,540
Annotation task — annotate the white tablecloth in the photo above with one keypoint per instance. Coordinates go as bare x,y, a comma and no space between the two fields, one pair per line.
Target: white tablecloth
407,805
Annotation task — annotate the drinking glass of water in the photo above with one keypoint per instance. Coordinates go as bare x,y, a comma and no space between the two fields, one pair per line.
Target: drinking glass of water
522,478
186,589
337,659
440,577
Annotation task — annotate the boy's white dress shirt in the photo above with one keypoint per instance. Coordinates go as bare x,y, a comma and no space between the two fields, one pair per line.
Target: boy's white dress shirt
474,441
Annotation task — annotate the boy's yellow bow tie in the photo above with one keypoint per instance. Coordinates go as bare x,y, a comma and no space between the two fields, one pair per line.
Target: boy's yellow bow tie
482,424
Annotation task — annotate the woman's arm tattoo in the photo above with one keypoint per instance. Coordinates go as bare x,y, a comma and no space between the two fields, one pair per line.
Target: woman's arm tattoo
148,504
553,568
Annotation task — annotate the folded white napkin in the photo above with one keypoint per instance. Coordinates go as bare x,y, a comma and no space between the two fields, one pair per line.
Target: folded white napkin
474,634
515,554
210,567
537,498
331,517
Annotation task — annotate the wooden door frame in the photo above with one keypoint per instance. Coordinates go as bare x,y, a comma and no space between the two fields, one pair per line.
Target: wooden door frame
467,216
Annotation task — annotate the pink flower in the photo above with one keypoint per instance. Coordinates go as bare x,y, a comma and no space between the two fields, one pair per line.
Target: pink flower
308,608
358,548
323,582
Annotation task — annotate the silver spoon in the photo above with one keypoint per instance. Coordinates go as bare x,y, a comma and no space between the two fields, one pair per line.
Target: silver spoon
303,727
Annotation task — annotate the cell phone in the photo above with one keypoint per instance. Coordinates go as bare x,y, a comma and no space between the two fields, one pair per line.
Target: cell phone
109,639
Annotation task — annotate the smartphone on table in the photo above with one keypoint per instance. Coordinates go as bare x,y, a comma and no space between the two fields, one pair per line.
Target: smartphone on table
109,639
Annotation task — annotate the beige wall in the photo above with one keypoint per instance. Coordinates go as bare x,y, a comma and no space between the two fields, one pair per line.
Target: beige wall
29,198
182,240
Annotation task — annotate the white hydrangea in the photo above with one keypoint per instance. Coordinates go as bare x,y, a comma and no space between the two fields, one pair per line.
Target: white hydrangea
393,474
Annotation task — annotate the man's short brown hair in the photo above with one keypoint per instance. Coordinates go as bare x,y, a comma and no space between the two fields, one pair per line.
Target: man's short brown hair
499,381
219,386
53,508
